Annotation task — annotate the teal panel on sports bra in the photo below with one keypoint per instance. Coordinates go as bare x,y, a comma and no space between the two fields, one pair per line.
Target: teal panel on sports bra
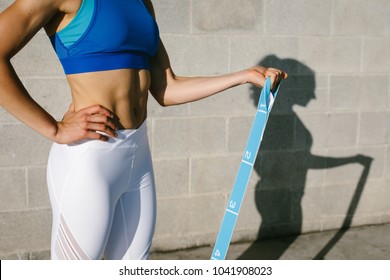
78,25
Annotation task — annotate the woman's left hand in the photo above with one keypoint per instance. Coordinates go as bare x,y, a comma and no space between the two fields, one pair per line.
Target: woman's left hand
276,76
258,74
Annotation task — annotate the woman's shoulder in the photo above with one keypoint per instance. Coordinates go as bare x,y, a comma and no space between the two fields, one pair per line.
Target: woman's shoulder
33,5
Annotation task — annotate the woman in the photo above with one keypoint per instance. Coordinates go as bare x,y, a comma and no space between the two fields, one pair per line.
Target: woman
100,174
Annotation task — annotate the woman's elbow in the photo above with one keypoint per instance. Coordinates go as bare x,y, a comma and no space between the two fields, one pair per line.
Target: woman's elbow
164,93
160,98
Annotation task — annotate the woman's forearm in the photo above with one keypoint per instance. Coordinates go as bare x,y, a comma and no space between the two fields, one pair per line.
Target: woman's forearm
188,89
175,90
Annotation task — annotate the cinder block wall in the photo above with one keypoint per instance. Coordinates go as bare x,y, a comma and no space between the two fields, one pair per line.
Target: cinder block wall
325,158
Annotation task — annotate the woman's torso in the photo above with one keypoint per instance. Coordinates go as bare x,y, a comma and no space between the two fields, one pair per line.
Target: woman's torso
124,90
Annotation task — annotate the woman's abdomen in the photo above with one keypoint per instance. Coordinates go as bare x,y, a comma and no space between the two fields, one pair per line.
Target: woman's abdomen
124,92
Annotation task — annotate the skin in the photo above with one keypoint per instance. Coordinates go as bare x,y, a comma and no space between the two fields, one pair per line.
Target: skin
102,101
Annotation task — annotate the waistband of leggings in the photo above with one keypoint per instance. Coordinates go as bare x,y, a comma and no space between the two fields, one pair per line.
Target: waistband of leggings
125,136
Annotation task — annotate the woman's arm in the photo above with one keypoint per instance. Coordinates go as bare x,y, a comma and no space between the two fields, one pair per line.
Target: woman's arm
169,89
18,24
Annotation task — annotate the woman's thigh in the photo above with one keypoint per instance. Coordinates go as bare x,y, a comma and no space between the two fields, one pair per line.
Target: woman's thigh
133,225
84,201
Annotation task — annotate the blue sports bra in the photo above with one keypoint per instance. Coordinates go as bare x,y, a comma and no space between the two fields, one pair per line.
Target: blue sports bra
107,35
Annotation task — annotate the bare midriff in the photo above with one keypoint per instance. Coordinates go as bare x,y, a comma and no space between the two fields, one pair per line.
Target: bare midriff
124,92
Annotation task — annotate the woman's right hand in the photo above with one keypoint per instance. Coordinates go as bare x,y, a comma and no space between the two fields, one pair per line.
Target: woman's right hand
86,123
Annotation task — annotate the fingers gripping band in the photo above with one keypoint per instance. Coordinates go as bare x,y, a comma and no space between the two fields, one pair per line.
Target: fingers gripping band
256,135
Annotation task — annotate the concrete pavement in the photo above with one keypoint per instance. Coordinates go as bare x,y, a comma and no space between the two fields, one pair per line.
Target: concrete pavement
362,243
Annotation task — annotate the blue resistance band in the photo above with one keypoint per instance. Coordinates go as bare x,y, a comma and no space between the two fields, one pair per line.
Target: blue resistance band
248,159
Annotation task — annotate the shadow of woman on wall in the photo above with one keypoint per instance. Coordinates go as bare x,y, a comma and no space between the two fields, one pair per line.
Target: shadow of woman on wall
283,163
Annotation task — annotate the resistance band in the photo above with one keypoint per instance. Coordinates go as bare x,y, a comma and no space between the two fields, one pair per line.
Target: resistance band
248,159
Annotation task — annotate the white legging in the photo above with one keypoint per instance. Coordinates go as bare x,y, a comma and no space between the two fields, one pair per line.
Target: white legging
103,198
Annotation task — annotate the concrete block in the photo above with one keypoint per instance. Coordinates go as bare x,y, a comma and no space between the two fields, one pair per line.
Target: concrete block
332,223
173,16
53,94
378,154
387,190
332,54
374,128
316,164
150,135
5,4
280,133
249,219
299,17
388,132
336,222
385,218
37,58
289,170
311,226
15,225
279,230
233,102
299,93
38,196
228,16
387,166
172,177
343,129
12,189
238,132
312,130
332,206
333,130
308,82
21,146
357,92
155,110
275,207
198,55
389,95
304,100
7,118
183,137
370,18
213,174
344,162
309,207
165,244
376,57
241,236
364,220
178,217
302,93
374,199
251,50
